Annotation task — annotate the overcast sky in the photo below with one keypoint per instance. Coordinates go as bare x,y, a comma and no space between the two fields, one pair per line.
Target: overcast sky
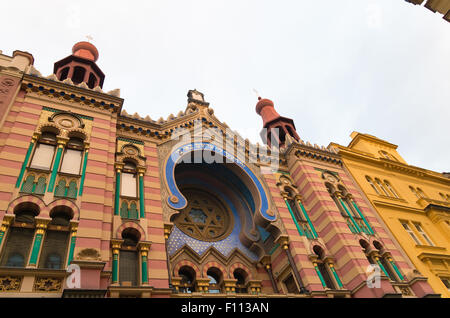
375,66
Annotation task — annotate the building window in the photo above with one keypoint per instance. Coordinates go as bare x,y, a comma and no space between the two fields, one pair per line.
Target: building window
414,191
73,156
92,81
17,247
374,187
446,282
45,150
391,189
56,241
214,276
128,258
323,268
378,182
241,276
64,73
422,232
78,74
290,285
384,261
421,193
410,232
128,182
18,242
300,218
187,275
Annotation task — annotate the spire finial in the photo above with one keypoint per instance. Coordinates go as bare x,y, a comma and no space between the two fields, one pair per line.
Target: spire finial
257,94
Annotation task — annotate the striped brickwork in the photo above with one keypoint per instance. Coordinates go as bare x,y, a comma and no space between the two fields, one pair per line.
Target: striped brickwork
15,138
350,261
297,243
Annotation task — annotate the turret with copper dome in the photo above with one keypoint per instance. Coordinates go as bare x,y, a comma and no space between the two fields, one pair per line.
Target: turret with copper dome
276,127
80,66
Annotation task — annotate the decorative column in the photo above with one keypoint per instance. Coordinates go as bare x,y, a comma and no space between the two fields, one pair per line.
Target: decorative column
266,261
299,228
176,282
360,214
283,240
61,143
254,287
27,157
141,172
119,167
377,260
83,170
41,226
143,251
314,259
4,228
167,231
394,266
330,264
73,238
202,284
115,244
230,285
311,226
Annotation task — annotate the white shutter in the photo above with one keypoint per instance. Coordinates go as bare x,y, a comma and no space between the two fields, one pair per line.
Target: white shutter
43,156
72,161
128,185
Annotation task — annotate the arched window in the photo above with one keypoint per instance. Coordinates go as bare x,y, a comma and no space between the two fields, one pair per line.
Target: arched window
129,258
372,185
421,193
20,236
378,182
64,73
240,275
366,249
299,216
414,191
323,267
45,150
391,189
78,74
92,81
128,182
28,184
214,275
294,206
73,155
385,263
56,240
187,284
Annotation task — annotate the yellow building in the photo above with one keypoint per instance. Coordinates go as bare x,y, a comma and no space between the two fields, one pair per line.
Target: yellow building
413,202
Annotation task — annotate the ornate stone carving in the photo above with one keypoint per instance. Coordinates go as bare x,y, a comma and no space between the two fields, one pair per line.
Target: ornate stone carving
89,254
10,283
47,284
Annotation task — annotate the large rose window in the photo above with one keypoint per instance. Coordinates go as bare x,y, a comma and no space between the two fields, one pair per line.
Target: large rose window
205,217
